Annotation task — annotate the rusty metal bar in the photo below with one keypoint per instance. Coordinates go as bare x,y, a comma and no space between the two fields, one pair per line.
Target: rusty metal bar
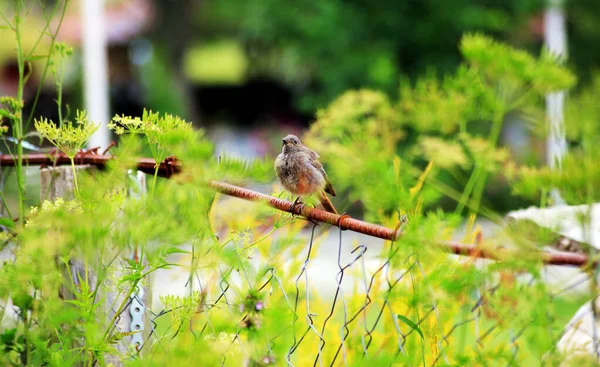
342,221
374,230
345,222
146,165
550,258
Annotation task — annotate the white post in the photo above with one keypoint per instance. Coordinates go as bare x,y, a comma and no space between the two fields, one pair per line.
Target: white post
95,69
555,37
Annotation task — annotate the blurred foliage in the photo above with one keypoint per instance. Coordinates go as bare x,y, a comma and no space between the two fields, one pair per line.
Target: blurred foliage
583,34
454,125
251,300
578,178
218,62
7,47
163,93
325,48
356,44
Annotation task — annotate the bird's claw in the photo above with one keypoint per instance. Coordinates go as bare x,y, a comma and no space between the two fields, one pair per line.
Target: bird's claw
297,212
293,206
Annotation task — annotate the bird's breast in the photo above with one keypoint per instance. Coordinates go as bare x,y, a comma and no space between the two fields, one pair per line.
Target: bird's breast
297,175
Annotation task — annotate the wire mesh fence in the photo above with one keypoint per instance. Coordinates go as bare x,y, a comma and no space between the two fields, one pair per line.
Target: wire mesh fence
344,328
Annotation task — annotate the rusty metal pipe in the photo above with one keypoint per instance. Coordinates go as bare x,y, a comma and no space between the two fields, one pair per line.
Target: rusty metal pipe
146,165
341,221
345,222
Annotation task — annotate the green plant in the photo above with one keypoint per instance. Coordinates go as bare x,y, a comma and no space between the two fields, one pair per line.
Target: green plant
256,294
578,178
69,137
60,53
19,126
454,124
162,133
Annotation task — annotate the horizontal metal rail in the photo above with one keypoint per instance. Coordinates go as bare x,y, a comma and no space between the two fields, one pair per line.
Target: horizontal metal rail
170,166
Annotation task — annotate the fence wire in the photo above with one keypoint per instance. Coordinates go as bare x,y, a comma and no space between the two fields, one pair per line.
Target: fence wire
306,323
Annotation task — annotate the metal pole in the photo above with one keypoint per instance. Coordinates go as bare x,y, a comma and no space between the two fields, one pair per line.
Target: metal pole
167,169
95,69
555,37
143,295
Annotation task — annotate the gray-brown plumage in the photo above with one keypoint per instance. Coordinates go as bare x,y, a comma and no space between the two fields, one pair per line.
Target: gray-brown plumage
301,173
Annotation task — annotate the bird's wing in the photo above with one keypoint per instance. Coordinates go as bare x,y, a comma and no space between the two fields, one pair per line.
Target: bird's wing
314,160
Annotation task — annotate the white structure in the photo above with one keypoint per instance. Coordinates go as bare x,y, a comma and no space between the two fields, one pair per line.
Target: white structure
95,69
556,40
583,329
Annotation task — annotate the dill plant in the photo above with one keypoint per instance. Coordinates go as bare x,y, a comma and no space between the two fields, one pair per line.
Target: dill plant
70,137
578,177
19,9
255,300
158,131
60,53
454,123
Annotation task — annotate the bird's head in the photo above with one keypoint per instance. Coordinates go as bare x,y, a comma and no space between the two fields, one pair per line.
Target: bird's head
291,144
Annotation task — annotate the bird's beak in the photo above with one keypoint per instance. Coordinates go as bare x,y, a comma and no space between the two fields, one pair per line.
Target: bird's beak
284,142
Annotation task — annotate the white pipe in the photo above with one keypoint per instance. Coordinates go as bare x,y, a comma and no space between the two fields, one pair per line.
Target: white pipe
95,69
555,37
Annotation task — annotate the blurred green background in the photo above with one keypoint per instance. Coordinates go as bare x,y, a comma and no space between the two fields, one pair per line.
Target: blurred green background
250,71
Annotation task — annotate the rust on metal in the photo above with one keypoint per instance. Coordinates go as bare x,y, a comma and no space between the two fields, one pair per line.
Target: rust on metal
342,221
346,222
146,165
550,258
171,166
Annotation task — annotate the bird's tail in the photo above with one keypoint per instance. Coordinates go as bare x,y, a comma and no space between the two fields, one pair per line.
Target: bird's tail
325,203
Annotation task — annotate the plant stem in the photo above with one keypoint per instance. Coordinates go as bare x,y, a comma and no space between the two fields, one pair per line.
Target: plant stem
544,198
74,176
464,197
59,97
47,66
494,136
18,127
120,309
5,205
157,166
28,324
260,239
479,176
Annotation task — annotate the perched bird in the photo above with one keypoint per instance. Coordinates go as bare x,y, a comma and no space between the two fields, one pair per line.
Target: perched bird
301,173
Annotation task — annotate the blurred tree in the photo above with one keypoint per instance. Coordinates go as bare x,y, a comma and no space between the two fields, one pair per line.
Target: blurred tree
172,34
583,32
322,48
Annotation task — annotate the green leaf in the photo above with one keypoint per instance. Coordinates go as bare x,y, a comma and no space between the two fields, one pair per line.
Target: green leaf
35,134
23,301
8,337
118,336
410,323
7,222
37,57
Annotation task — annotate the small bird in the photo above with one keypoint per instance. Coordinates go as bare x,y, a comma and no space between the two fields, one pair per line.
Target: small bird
301,173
